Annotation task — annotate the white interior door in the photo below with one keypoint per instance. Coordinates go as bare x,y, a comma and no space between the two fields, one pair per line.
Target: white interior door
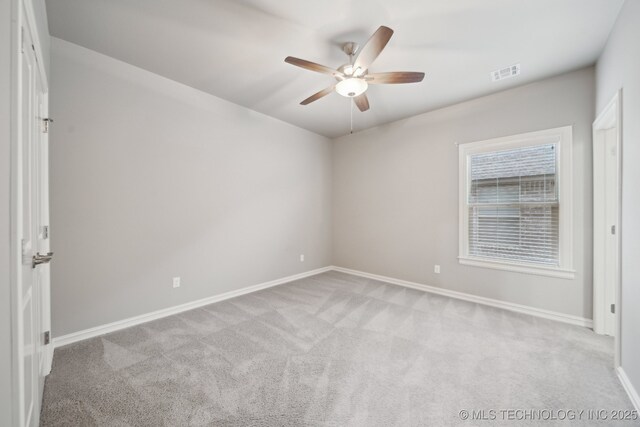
606,224
32,200
611,220
28,371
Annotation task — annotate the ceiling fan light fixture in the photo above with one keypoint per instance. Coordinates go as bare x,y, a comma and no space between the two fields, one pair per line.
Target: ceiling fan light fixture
351,87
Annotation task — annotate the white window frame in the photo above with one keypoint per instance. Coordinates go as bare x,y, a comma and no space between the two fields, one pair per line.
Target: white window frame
563,138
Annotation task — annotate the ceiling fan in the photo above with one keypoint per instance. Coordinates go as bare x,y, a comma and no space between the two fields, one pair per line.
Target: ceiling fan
354,78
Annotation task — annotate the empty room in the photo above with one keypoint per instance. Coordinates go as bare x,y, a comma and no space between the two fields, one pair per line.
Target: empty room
319,213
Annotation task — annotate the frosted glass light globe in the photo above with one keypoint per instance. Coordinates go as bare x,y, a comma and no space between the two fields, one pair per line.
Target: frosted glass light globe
351,87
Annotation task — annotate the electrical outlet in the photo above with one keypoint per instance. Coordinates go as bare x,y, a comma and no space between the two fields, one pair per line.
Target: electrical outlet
176,282
436,269
301,257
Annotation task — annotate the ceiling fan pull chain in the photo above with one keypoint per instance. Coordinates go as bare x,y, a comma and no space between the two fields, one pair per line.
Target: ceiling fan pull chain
351,116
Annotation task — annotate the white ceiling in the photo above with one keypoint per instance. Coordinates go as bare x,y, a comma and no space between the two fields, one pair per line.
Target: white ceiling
235,49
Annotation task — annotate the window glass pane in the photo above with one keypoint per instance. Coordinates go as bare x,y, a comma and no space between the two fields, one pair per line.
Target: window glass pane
514,206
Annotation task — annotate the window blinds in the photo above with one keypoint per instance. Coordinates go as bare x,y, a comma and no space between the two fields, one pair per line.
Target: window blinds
513,205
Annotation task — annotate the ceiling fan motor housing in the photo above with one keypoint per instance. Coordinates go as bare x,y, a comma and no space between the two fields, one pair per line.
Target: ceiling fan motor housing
350,48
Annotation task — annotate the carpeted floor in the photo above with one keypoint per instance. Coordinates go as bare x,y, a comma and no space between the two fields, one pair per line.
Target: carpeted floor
335,350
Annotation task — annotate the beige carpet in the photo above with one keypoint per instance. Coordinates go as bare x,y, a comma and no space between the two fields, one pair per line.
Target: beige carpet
336,350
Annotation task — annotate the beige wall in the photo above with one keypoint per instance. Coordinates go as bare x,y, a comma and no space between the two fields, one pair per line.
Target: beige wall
395,187
619,67
151,179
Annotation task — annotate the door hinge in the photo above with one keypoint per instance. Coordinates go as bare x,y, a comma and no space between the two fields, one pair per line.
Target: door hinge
45,125
22,39
613,229
45,232
613,308
47,337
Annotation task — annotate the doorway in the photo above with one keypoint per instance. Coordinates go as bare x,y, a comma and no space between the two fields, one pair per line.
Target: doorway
607,182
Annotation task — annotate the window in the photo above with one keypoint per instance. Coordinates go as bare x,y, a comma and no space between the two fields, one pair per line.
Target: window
515,203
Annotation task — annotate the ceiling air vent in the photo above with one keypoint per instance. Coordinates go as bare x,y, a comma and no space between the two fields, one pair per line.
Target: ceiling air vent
505,73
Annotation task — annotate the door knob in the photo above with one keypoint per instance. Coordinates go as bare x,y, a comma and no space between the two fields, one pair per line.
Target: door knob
41,259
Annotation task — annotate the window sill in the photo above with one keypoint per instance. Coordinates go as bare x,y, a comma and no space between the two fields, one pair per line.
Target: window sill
518,268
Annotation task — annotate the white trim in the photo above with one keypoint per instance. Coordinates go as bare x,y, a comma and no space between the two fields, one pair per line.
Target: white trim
510,306
36,38
563,137
518,268
629,388
143,318
15,214
610,114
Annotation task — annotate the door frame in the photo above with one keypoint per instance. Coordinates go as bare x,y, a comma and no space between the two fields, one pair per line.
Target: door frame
610,117
22,15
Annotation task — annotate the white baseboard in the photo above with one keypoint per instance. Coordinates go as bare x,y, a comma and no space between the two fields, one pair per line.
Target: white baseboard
132,321
518,308
49,357
629,388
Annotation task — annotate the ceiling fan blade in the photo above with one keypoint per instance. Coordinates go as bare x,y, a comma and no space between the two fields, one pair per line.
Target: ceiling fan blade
312,66
394,77
372,48
318,95
362,102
